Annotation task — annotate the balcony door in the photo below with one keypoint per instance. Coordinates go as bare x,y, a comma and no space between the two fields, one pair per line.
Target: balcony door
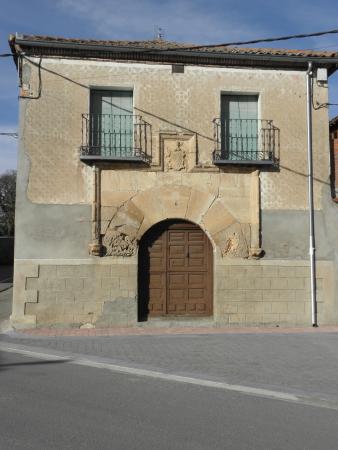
111,124
239,127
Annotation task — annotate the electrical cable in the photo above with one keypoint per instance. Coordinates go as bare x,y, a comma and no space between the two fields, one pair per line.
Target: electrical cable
319,105
38,65
5,55
14,135
256,41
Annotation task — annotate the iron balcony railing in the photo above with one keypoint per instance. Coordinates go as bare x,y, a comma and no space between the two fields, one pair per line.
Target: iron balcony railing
115,138
245,141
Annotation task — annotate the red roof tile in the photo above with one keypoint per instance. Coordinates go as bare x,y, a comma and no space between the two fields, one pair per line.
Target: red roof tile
171,45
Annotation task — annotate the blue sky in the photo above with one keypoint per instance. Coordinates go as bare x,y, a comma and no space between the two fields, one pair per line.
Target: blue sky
195,21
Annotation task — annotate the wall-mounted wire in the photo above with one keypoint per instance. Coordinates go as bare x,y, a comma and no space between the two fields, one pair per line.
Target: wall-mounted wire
319,105
38,65
10,134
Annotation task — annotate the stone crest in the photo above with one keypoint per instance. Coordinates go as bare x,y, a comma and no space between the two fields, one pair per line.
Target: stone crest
175,156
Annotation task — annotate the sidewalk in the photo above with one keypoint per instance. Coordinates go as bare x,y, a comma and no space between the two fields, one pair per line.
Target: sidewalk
184,330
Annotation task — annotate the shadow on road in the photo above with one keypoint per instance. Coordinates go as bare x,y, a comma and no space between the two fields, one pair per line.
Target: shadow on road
6,274
7,365
33,363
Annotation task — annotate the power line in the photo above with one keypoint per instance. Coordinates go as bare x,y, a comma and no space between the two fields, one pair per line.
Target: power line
256,41
4,55
10,134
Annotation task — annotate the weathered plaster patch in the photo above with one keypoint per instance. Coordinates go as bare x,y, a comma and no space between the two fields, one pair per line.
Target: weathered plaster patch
232,242
121,311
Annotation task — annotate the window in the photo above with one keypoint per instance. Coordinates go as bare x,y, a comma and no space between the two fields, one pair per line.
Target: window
239,127
111,123
111,132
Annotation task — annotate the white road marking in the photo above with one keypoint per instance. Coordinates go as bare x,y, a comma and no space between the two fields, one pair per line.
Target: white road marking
183,379
248,390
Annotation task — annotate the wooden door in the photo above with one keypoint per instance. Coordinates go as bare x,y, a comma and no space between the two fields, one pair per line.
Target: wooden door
175,273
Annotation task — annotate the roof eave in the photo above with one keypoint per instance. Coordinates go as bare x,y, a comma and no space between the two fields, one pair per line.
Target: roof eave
330,62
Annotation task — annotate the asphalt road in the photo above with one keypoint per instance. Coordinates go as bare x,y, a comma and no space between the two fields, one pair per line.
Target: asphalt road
56,404
304,364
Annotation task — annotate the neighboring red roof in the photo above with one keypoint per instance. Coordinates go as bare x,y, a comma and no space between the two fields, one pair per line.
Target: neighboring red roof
170,45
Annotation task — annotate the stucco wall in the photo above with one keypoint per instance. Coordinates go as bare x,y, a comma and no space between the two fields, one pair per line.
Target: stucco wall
169,102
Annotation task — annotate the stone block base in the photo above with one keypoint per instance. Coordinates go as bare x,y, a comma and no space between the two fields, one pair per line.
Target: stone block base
104,294
272,294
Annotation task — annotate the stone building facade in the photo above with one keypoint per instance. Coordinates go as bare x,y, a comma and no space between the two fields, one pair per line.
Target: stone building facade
157,181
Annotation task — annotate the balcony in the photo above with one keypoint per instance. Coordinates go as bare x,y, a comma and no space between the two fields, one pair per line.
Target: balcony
245,142
115,138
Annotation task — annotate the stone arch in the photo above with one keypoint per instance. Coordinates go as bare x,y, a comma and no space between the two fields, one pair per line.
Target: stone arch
134,217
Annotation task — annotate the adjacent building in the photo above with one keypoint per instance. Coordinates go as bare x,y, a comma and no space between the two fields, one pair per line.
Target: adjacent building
159,181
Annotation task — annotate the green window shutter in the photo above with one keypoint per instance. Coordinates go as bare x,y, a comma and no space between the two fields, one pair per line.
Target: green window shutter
239,127
112,122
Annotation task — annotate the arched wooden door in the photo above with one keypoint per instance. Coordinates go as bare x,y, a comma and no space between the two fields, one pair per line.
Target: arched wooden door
175,271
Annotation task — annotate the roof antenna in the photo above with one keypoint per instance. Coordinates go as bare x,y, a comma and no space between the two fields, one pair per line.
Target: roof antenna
159,33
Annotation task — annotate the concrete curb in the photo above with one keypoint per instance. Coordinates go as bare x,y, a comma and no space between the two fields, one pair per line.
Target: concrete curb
173,331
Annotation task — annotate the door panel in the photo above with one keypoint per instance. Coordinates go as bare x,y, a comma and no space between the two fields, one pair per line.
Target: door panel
157,251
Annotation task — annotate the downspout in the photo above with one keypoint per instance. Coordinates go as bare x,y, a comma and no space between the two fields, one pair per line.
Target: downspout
312,248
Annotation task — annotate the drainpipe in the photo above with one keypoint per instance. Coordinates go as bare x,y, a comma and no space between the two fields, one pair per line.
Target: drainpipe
312,248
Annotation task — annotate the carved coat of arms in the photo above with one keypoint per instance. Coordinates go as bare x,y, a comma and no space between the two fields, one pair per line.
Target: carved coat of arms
176,157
